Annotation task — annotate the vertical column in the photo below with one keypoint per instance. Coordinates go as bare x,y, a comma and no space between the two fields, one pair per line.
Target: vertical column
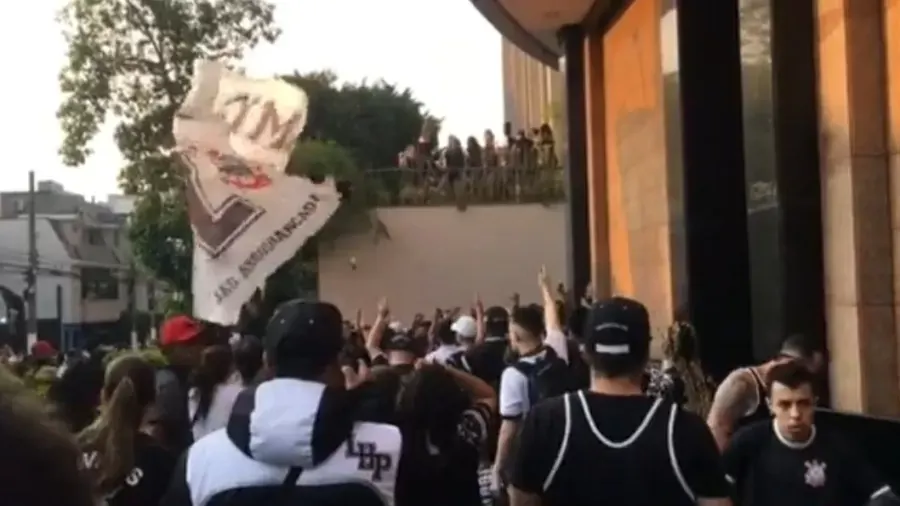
856,206
764,231
577,231
707,92
781,170
598,216
892,56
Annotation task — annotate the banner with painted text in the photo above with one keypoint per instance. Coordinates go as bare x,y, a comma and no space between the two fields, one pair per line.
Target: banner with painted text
235,135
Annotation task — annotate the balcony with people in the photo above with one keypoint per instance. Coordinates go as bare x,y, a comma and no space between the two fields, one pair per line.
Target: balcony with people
525,168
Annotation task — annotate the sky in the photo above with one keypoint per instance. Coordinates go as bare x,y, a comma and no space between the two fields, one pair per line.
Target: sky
443,50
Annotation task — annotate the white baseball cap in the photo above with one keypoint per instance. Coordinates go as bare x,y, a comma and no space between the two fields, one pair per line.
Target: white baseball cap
465,326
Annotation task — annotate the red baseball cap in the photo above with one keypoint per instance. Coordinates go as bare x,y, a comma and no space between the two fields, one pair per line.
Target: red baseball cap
42,350
179,329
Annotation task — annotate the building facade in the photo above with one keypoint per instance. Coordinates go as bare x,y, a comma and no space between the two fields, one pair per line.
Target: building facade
87,284
533,93
739,161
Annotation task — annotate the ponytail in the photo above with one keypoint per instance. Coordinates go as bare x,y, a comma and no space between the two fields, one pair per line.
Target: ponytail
214,369
111,437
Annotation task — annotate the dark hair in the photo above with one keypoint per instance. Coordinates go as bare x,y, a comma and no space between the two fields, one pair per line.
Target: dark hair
76,394
620,366
800,346
214,369
429,405
496,321
40,458
530,318
791,375
248,358
444,333
128,390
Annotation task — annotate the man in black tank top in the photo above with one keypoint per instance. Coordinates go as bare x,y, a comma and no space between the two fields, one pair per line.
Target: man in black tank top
611,444
741,398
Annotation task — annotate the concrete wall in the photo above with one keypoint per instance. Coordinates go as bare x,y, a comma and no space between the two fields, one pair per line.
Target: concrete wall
440,256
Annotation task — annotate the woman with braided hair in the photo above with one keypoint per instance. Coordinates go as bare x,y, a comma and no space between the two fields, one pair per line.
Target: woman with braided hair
680,377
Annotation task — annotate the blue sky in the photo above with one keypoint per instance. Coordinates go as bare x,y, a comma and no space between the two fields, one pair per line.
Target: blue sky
443,50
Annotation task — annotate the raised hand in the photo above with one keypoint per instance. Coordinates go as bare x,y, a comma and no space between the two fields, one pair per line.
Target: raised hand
383,309
354,378
543,277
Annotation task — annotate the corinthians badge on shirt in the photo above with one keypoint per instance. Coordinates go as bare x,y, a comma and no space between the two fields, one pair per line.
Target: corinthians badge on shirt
815,473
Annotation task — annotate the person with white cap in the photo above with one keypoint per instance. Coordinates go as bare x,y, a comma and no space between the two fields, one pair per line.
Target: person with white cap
644,450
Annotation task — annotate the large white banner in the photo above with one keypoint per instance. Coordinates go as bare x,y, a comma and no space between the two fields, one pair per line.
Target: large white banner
235,135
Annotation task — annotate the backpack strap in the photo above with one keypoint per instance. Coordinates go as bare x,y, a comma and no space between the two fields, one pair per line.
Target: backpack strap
284,492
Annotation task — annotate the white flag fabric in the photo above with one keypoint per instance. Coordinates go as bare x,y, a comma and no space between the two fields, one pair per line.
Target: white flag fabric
235,135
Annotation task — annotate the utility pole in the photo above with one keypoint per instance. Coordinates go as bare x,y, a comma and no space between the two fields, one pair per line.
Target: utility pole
151,308
132,305
31,275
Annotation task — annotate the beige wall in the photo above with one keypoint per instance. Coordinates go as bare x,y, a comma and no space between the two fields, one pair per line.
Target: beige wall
858,96
635,159
440,256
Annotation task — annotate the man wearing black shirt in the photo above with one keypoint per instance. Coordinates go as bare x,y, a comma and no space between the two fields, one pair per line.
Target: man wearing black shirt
611,443
789,462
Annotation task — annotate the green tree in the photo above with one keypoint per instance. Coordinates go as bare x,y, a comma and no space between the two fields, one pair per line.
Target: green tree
320,159
374,121
131,61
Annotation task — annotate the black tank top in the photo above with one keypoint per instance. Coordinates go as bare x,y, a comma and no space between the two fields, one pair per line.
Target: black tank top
761,412
639,470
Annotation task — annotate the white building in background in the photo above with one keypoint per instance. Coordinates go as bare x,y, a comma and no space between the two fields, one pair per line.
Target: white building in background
85,267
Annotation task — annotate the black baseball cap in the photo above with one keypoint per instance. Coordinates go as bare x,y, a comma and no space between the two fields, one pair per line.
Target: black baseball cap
304,334
496,314
617,327
400,341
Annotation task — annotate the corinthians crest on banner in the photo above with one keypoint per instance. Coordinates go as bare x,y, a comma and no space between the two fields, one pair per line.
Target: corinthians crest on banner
235,135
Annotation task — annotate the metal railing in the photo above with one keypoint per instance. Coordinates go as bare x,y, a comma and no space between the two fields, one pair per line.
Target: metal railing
437,186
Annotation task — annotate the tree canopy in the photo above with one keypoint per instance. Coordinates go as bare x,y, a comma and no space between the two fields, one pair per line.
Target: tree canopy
374,121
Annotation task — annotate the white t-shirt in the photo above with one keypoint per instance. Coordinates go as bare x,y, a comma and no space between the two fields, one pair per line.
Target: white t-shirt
442,353
514,401
219,411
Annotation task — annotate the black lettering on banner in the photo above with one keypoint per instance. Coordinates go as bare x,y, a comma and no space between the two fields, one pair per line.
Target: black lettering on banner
226,288
283,132
369,458
216,226
283,233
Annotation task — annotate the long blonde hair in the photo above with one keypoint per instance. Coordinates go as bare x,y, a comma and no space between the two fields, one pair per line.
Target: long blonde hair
129,389
682,349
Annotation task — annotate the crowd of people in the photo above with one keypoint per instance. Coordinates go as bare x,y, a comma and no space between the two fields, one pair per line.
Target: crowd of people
554,404
523,168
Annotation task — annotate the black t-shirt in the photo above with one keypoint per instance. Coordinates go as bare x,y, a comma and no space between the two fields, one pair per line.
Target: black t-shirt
450,478
148,480
771,471
486,360
583,446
